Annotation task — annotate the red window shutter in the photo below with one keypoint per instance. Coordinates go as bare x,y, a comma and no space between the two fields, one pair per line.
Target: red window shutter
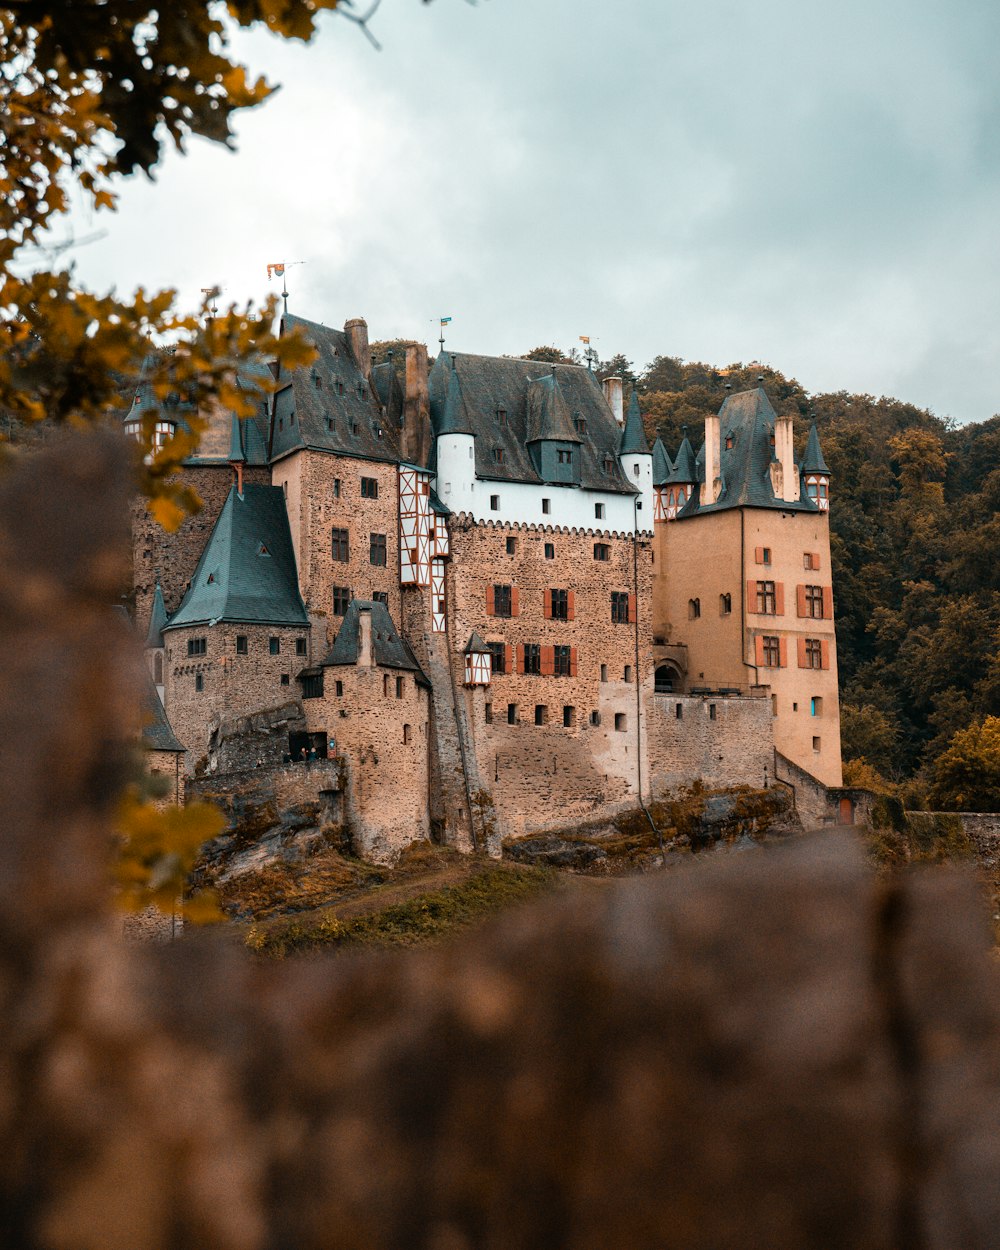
779,598
824,647
490,605
801,607
548,658
828,603
522,658
510,658
547,606
803,657
783,652
758,555
515,601
758,649
570,604
572,661
815,560
631,610
751,596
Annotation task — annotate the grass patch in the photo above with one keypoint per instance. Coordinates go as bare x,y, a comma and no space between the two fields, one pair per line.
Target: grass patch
899,838
427,917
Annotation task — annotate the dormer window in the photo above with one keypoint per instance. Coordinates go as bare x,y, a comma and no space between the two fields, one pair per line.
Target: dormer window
362,391
317,381
355,428
340,387
501,416
606,466
579,424
771,440
729,442
565,456
498,455
262,550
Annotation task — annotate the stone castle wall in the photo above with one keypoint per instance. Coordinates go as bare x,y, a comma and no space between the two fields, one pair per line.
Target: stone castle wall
383,739
543,774
233,685
721,741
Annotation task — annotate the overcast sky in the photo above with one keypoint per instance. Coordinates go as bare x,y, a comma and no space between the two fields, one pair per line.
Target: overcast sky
816,186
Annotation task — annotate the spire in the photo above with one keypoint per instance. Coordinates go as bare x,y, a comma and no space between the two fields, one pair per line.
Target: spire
157,619
812,461
662,467
455,418
633,435
685,470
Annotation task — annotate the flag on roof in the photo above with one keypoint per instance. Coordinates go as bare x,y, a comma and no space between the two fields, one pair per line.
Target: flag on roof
275,269
585,338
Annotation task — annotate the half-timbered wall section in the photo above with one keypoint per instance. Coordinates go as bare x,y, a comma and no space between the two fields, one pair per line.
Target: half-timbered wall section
439,597
416,524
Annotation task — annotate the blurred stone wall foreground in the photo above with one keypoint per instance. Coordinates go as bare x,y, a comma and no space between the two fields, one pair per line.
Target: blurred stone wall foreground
773,1050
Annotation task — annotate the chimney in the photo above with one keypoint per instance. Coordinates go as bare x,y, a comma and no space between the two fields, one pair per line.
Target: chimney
613,394
784,453
365,658
713,458
357,333
416,407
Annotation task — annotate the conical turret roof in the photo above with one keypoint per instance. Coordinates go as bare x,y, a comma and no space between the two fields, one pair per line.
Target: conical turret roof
235,442
455,418
634,441
157,619
685,471
661,464
812,461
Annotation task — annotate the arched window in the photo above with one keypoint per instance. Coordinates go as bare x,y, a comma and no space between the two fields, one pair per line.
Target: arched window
664,680
158,668
725,605
694,609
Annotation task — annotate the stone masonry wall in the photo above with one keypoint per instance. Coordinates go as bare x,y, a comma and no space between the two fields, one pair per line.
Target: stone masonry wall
386,776
234,685
172,559
732,747
552,773
315,508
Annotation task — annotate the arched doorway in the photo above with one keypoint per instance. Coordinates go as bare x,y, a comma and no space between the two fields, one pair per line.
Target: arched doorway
667,680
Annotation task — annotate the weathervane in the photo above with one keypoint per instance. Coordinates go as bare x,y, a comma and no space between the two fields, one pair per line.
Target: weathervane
277,270
589,354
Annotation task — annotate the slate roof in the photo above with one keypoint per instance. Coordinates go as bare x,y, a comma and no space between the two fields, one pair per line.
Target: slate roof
157,734
748,419
685,470
634,441
311,410
812,460
157,619
454,418
235,580
661,464
216,443
390,393
476,646
389,649
548,412
488,383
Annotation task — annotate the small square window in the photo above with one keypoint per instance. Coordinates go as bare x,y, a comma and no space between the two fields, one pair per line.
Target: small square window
241,644
628,672
488,713
340,545
541,714
604,672
300,646
336,487
679,711
341,600
339,689
380,596
599,511
511,713
711,711
197,646
199,683
546,506
274,646
377,550
602,551
511,546
284,679
816,744
621,722
569,717
595,718
816,706
550,551
495,503
400,687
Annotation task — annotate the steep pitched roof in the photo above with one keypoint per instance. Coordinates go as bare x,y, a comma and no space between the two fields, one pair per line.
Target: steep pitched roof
548,413
157,734
454,417
747,419
812,461
157,619
476,646
236,455
634,441
685,470
492,383
247,571
389,650
661,464
330,405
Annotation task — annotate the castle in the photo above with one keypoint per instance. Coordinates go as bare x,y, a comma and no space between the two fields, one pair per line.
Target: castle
482,590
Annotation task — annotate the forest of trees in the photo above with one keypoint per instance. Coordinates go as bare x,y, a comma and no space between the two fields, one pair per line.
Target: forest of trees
915,532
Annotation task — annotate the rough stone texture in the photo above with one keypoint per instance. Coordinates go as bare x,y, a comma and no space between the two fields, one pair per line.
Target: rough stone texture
233,685
172,559
241,743
315,508
771,1051
733,747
